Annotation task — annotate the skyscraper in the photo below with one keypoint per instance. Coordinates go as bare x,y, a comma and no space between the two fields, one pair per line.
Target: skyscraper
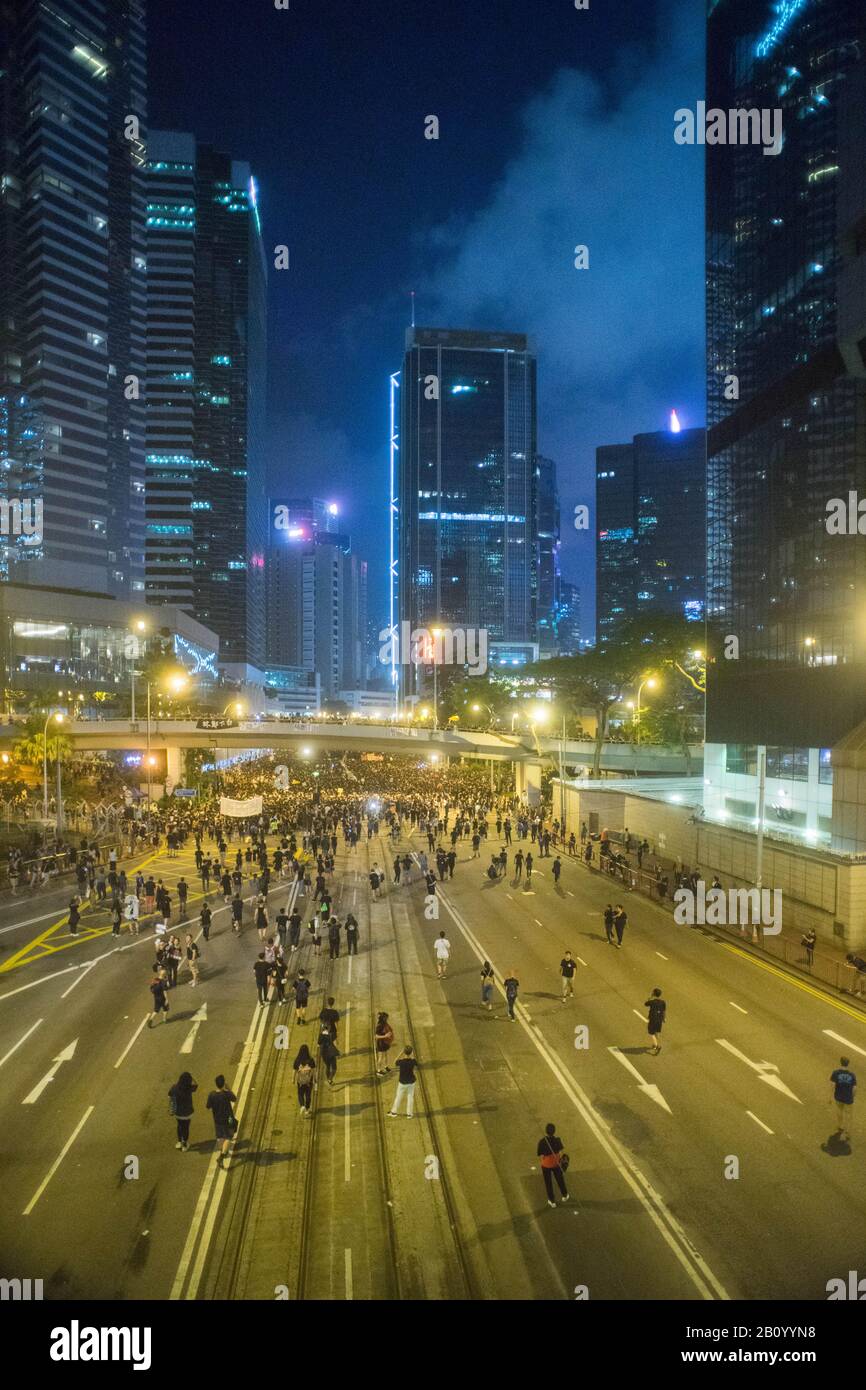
787,405
465,488
548,553
316,596
651,519
206,500
73,120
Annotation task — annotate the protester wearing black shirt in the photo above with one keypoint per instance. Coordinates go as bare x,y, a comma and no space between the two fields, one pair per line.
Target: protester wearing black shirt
549,1149
567,967
657,1010
406,1065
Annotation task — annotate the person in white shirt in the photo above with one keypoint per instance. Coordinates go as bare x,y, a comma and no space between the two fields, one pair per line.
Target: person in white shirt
442,951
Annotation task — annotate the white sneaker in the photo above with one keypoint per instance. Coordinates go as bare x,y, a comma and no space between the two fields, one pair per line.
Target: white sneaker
551,1204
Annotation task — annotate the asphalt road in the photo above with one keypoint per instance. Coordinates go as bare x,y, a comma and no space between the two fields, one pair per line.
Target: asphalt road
99,1204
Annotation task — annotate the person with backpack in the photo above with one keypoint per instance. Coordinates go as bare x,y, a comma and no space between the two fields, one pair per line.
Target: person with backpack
305,1071
384,1037
512,987
556,870
329,1052
352,934
181,1107
655,1021
553,1163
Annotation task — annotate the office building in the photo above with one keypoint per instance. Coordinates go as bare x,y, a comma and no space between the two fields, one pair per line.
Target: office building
206,345
568,641
786,255
464,489
73,127
548,554
316,597
651,526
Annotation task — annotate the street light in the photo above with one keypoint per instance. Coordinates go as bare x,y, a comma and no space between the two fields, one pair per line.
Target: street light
141,627
435,632
58,719
650,682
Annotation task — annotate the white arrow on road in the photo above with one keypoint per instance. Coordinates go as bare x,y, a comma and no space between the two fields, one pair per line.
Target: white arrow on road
65,1056
765,1070
646,1086
197,1020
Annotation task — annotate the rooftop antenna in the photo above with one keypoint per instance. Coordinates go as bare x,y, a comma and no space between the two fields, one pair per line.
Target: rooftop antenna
412,295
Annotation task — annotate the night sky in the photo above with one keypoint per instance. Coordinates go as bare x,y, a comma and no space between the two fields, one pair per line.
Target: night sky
556,128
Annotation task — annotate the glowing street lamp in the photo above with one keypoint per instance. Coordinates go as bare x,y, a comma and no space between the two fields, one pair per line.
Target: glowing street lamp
650,682
435,632
58,719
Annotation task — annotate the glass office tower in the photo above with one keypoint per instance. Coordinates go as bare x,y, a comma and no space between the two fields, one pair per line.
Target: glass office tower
73,121
650,519
786,283
466,485
206,498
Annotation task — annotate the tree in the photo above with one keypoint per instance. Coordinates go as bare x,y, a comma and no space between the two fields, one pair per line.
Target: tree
29,749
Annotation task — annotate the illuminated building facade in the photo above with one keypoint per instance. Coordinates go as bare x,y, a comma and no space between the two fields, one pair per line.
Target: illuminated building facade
206,343
466,485
73,123
786,255
650,518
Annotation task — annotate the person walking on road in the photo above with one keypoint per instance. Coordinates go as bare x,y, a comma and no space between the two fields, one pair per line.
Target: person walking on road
351,934
302,996
655,1020
305,1070
518,866
261,917
556,870
225,1124
205,918
329,1017
406,1065
116,916
74,915
160,999
528,867
262,972
567,967
487,978
442,951
512,988
294,929
192,955
620,922
553,1163
844,1081
384,1036
180,1100
237,912
334,930
182,895
329,1052
608,923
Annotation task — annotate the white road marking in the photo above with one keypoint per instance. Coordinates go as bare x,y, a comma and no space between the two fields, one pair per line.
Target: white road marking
641,1016
759,1122
20,1041
509,897
65,1056
349,981
58,1160
131,1041
347,1134
537,923
41,981
736,1006
647,1087
678,1242
84,970
838,1037
765,1070
350,1293
197,1021
31,921
582,961
569,892
658,953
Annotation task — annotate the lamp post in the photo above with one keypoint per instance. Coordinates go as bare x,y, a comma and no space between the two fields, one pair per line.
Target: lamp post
650,682
435,632
176,683
58,719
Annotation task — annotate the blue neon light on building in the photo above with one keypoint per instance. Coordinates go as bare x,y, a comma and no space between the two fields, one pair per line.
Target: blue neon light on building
786,12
